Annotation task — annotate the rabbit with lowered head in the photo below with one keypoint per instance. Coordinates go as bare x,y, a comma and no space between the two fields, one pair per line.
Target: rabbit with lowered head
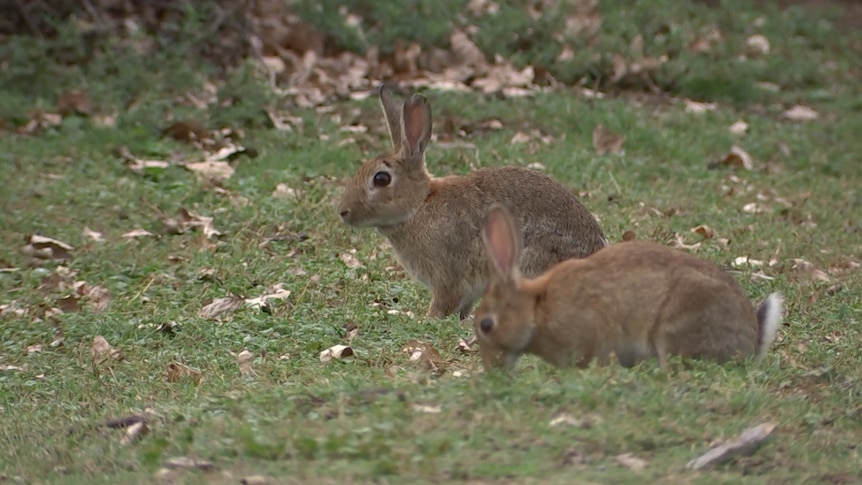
434,224
637,299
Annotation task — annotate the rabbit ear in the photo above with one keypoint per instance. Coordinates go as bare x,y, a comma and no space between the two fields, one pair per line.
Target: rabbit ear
502,242
392,113
415,126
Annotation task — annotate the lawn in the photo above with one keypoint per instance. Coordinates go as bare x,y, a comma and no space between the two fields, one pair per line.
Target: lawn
144,307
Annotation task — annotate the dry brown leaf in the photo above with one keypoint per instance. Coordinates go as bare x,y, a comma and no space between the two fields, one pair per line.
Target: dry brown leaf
738,158
679,243
33,349
757,46
740,127
426,408
178,371
465,51
466,346
256,480
74,102
800,113
245,360
142,167
68,304
426,356
98,298
350,260
212,170
220,306
282,191
630,461
336,352
746,261
745,444
136,233
7,367
46,248
187,131
753,208
520,137
102,351
187,219
134,432
186,463
605,141
91,234
276,292
698,107
807,271
705,231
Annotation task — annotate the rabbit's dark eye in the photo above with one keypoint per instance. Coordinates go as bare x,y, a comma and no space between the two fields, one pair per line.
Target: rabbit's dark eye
382,179
486,324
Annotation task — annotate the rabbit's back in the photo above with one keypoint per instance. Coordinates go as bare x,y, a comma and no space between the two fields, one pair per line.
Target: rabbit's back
640,299
442,240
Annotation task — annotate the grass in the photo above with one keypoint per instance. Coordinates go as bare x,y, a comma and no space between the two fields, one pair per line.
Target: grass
380,417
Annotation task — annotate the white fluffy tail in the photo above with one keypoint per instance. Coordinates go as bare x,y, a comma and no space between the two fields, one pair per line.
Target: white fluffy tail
768,320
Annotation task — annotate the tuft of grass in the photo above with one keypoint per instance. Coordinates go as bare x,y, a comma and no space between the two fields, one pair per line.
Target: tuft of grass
380,416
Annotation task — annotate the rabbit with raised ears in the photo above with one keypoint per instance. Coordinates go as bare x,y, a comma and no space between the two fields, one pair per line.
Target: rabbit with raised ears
638,300
434,224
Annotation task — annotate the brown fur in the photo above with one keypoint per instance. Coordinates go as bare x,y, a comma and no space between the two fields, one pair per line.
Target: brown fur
637,300
434,224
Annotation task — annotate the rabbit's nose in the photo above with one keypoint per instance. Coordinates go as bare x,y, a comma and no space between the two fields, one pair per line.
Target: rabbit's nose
344,213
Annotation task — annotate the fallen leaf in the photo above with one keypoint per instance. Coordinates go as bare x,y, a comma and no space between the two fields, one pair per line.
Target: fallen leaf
738,158
147,167
425,408
11,367
426,356
245,359
740,127
178,371
136,233
91,234
134,432
605,141
350,259
466,346
800,113
536,166
806,270
186,463
698,107
221,306
282,191
704,231
746,261
98,298
188,131
102,351
757,45
630,461
745,444
68,304
276,292
256,480
753,208
74,102
213,170
520,137
678,242
41,247
188,219
336,352
33,349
